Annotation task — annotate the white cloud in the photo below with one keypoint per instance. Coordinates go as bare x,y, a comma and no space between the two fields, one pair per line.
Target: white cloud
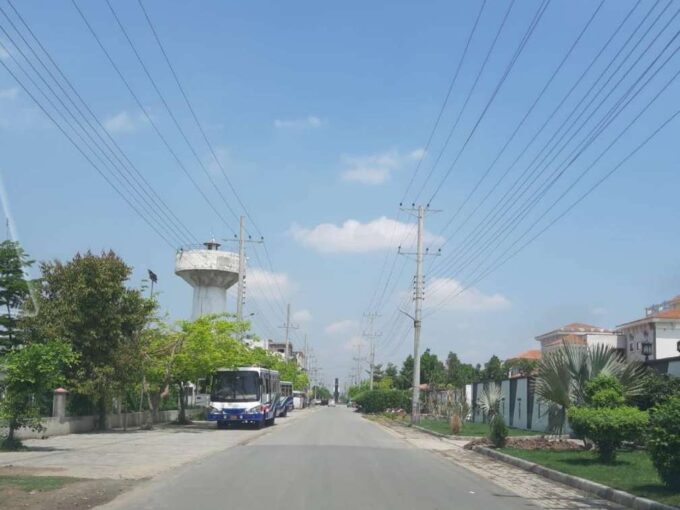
377,168
265,284
10,93
311,122
124,122
354,343
341,327
302,316
440,293
356,237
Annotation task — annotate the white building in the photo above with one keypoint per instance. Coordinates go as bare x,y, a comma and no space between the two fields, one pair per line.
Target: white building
579,334
660,328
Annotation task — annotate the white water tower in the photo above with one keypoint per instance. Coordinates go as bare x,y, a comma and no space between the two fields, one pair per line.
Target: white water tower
210,272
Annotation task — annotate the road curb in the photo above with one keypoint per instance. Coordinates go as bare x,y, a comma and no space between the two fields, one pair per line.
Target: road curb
602,491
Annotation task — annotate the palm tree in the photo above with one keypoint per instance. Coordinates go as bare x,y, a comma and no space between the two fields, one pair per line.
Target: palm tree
489,401
562,375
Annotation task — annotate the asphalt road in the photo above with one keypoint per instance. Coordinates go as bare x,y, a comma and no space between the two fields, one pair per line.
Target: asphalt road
330,459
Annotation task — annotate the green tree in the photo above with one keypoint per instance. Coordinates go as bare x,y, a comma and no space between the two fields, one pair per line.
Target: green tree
458,374
204,345
432,370
160,345
86,303
405,379
562,377
493,370
525,367
321,392
14,290
391,371
29,373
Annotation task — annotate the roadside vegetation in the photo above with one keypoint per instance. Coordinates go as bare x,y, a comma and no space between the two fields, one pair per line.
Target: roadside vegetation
81,325
633,470
624,419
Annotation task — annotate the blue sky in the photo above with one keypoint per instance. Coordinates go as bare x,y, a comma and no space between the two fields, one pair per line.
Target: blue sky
319,114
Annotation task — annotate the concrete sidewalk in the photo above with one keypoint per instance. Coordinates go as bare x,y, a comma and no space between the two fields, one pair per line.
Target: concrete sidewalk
133,454
539,491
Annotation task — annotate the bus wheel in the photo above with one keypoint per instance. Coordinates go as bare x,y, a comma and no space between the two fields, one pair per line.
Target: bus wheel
270,421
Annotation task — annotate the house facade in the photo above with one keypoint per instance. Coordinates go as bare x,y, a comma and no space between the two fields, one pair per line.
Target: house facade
660,328
580,334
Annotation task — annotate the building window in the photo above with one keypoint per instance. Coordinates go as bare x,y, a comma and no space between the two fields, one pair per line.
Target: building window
638,346
630,347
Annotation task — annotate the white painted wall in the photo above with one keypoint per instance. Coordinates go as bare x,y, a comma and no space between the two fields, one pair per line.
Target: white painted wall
610,340
667,336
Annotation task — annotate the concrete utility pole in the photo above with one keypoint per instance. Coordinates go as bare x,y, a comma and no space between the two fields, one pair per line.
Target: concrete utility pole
306,367
358,360
288,326
418,297
371,335
241,288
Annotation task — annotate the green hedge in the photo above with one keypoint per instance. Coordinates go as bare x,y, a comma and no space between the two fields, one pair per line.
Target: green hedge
608,427
663,440
378,401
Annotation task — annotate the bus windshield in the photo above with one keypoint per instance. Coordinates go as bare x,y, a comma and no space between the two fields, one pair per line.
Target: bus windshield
235,387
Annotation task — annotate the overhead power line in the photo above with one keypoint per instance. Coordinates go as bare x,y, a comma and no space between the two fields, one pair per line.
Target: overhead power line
106,144
599,127
149,118
523,183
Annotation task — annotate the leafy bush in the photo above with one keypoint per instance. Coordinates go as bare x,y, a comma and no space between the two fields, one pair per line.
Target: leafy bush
657,389
603,391
663,440
608,427
498,431
377,401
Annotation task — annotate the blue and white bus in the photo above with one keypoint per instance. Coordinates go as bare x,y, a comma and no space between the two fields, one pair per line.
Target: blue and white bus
286,398
244,395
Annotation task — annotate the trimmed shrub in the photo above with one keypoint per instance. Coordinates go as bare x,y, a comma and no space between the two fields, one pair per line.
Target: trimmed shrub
657,389
377,401
663,440
608,427
498,431
604,391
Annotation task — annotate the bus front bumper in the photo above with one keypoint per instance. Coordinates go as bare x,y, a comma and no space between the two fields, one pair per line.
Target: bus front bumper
237,416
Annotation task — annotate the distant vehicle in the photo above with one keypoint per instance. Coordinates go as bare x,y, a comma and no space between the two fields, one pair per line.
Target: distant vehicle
244,395
300,400
324,401
286,402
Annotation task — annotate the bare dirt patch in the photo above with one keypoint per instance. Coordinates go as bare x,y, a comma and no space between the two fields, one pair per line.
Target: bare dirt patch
33,489
530,443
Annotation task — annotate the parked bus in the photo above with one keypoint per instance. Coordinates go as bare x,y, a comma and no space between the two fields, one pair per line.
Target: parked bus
244,395
286,399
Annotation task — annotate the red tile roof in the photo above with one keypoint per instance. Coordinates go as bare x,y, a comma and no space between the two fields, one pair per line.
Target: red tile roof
668,314
581,327
530,354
